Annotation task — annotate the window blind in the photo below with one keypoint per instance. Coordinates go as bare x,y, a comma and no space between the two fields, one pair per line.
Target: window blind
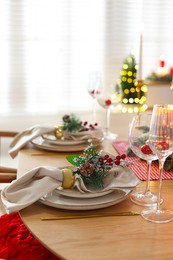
49,47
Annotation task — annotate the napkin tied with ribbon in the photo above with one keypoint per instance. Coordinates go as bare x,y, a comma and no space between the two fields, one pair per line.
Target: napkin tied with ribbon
41,180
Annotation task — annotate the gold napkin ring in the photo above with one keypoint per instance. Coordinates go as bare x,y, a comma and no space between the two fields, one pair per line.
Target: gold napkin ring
68,178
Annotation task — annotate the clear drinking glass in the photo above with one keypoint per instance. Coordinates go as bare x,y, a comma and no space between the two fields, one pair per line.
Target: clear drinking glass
138,141
94,88
161,143
110,98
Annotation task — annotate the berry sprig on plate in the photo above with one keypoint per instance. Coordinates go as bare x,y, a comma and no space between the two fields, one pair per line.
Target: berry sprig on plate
71,123
93,166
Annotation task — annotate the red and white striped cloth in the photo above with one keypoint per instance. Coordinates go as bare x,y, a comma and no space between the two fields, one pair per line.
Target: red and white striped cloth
139,167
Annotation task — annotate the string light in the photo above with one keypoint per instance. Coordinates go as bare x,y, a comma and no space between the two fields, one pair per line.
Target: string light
134,98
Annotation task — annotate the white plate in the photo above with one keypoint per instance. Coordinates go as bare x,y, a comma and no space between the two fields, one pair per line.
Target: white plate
50,139
39,142
74,193
58,201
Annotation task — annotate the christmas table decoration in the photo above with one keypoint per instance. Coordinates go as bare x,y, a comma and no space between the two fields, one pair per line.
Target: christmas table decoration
133,90
163,73
93,166
71,123
73,128
92,172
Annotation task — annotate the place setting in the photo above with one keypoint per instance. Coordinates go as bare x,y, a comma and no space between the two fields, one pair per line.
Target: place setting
94,180
71,134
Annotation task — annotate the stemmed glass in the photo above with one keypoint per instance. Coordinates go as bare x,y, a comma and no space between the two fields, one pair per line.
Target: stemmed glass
161,143
138,141
95,88
110,98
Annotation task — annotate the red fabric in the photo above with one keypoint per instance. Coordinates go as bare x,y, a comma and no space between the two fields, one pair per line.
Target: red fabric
17,243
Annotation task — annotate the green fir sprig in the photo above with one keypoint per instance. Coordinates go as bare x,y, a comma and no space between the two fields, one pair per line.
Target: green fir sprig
71,123
93,166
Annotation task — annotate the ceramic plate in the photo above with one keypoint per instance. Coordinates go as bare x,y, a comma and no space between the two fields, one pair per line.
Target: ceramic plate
39,142
56,200
74,193
50,139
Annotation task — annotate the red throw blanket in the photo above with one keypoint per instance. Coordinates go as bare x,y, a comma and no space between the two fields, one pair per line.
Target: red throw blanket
17,243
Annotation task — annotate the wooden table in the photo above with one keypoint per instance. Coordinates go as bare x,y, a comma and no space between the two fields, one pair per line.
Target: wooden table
107,238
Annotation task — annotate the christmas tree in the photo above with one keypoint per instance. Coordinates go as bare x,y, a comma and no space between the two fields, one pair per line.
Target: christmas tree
131,92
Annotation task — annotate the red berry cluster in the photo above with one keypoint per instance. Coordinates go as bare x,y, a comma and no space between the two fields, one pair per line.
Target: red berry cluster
162,145
108,161
119,158
101,164
94,92
87,126
108,102
146,149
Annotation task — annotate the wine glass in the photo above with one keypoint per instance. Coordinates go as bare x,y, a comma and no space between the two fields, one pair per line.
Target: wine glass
138,141
95,88
161,143
110,98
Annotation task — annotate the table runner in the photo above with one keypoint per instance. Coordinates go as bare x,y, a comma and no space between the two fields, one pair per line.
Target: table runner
17,243
139,166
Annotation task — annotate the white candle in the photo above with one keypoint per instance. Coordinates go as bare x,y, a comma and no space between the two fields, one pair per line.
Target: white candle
139,74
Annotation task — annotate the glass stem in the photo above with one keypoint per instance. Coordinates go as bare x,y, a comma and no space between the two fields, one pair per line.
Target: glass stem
94,109
108,111
147,188
161,164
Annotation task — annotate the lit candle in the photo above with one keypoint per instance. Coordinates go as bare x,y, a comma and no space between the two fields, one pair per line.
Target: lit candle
140,57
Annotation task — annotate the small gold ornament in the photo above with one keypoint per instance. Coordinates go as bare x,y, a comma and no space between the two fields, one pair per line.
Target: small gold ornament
139,84
59,132
68,178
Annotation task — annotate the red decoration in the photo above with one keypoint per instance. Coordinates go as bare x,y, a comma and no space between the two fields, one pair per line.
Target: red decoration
146,149
162,63
92,92
17,243
108,102
162,145
171,70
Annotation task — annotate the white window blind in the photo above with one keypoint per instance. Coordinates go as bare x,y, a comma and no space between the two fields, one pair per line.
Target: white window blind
48,48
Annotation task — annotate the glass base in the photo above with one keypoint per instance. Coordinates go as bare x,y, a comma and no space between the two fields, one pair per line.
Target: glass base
144,198
157,216
110,136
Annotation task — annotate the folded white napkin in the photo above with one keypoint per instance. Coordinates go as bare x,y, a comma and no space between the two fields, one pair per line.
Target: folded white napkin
21,139
94,135
119,177
41,180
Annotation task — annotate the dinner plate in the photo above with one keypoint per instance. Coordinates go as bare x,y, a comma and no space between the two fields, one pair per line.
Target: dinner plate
74,193
40,142
53,199
50,139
